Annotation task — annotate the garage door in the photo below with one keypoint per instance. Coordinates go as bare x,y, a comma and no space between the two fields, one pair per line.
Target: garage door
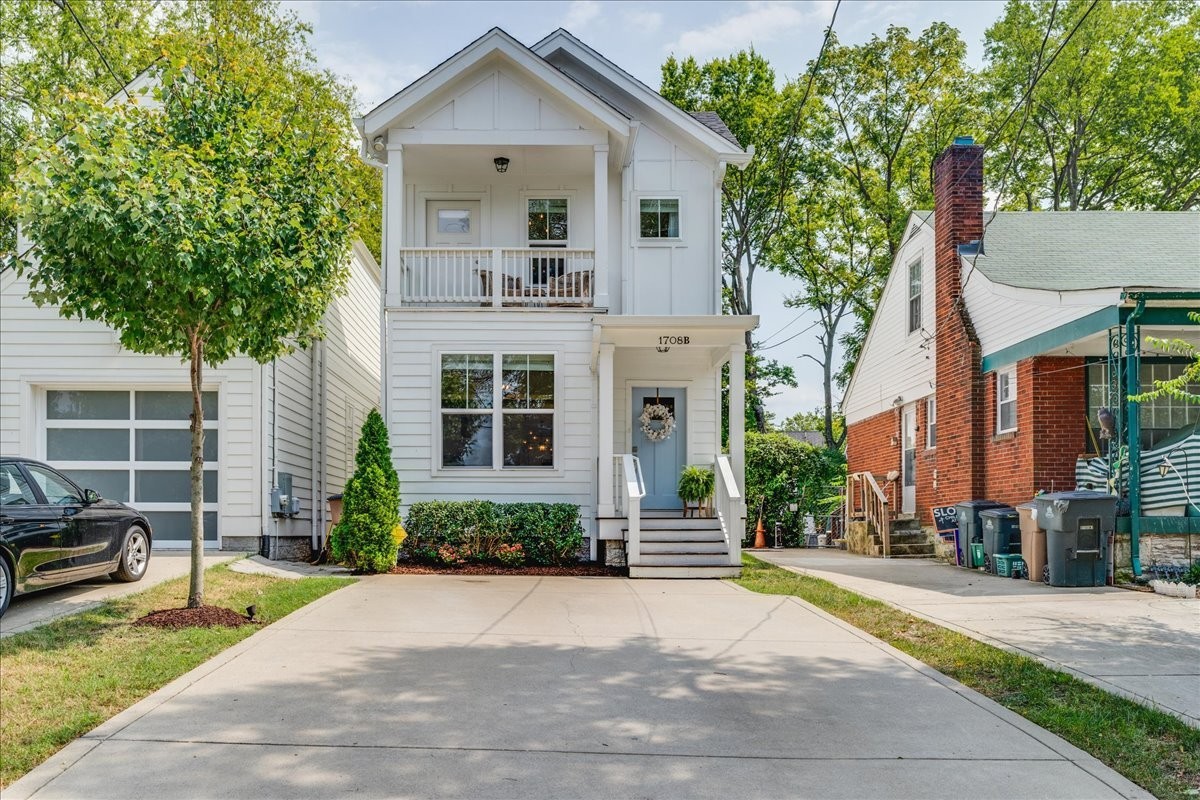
135,447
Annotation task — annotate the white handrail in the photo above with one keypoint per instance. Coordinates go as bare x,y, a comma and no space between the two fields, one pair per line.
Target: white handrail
730,509
497,276
633,489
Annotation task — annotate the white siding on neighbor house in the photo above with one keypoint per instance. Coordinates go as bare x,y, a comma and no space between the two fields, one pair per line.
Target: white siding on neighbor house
414,341
290,396
40,350
690,368
895,363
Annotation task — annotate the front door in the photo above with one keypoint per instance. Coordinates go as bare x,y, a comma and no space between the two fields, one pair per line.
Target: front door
908,500
452,223
662,459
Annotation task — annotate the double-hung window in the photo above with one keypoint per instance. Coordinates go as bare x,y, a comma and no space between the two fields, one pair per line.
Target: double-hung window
914,297
1006,400
497,410
659,217
931,422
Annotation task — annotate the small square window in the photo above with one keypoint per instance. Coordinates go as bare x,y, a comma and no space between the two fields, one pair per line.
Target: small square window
659,218
453,220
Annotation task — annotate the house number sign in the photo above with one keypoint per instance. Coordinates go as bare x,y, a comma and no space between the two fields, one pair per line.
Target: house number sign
669,340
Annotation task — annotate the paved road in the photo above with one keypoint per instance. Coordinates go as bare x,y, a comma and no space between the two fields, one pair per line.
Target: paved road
1142,645
31,610
445,686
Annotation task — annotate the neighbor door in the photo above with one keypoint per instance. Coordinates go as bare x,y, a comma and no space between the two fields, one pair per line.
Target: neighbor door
908,500
661,460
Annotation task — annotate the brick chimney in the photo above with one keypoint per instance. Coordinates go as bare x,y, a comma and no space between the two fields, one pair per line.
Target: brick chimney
958,220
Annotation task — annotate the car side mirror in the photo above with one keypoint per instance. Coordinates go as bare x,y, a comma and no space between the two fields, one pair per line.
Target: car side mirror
90,496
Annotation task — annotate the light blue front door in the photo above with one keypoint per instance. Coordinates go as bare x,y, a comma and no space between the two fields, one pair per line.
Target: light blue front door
661,461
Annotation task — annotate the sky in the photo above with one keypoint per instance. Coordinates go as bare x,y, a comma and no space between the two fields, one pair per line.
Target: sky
380,47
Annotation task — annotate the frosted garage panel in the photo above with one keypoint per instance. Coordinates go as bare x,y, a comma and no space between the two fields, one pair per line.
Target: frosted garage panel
87,444
172,444
112,484
172,405
170,486
86,405
170,526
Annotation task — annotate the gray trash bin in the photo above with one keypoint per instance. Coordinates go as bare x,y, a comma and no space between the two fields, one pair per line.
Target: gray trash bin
1001,534
970,528
1077,526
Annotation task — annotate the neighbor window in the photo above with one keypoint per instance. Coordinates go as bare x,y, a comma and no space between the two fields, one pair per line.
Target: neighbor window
914,296
659,218
1006,400
497,411
931,422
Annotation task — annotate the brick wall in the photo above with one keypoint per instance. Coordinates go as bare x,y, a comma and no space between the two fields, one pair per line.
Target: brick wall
873,445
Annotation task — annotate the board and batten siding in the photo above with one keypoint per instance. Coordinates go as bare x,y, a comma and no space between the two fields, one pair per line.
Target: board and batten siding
415,340
895,363
40,349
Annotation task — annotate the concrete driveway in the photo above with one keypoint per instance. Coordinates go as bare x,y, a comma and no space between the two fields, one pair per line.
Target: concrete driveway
31,610
1144,646
446,686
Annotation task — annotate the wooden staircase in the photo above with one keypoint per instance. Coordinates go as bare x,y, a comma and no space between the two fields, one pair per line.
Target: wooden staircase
908,540
674,547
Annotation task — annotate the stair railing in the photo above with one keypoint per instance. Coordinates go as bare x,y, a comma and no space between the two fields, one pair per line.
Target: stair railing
631,489
865,500
730,509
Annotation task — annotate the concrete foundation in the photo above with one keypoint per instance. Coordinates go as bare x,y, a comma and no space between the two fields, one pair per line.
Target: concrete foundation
1175,549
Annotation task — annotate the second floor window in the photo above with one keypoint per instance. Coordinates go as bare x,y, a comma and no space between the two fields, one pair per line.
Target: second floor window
548,222
914,296
659,217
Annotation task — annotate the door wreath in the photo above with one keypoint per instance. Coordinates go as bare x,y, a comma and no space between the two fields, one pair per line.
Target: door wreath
658,423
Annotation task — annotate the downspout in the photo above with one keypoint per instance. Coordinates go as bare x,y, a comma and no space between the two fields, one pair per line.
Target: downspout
1133,364
314,439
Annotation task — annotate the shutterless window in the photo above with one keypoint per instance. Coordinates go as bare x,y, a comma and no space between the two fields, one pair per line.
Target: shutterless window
914,296
548,222
483,393
931,422
1006,401
659,218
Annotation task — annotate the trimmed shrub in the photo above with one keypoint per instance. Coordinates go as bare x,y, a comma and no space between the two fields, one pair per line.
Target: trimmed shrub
775,463
369,533
544,534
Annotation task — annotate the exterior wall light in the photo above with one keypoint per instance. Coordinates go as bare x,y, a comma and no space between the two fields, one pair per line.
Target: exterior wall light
501,164
378,145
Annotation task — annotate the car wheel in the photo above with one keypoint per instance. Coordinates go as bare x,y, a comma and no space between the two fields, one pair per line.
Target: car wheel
6,586
135,556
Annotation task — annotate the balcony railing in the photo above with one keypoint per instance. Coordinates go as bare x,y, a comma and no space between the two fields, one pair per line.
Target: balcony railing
500,277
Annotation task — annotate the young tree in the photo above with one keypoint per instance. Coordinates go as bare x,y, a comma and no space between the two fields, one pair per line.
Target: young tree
363,537
204,220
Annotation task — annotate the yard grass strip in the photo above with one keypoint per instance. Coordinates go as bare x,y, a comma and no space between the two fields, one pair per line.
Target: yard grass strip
1153,749
61,680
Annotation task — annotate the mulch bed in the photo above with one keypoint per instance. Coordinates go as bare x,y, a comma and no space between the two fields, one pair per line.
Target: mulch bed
202,617
572,570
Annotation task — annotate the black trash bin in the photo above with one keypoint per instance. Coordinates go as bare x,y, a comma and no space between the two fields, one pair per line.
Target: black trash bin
1077,526
970,528
1001,534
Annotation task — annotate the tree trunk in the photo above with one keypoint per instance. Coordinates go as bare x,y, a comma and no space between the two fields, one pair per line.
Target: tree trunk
196,585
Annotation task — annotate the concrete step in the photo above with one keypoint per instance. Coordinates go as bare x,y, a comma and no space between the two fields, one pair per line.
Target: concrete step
906,525
684,547
684,560
909,537
907,550
679,524
682,536
645,571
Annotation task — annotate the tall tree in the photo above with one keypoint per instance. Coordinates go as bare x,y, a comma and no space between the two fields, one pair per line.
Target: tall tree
204,220
1115,120
782,129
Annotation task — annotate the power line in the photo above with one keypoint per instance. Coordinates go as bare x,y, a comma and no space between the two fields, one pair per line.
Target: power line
795,319
785,341
64,5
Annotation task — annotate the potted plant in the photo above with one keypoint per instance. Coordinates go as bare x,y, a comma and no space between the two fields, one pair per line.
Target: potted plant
695,488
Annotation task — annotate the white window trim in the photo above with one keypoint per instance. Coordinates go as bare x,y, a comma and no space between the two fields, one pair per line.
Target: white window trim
930,423
550,194
1011,374
657,241
437,470
919,297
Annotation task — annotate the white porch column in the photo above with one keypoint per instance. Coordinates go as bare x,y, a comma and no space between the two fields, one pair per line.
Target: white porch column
737,413
604,372
394,222
600,178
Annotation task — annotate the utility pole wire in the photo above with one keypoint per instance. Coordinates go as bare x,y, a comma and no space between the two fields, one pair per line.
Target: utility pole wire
64,5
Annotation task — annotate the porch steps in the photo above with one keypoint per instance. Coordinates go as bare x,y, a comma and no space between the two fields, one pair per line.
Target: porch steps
908,540
678,547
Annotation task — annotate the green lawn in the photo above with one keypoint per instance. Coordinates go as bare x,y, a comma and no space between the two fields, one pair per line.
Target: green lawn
59,681
1149,747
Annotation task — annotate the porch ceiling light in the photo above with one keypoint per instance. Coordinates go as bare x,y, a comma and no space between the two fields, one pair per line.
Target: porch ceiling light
501,164
378,145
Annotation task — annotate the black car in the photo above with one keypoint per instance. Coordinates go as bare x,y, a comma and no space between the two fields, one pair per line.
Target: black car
53,532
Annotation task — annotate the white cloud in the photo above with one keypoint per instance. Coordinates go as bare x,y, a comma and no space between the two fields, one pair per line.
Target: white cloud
756,22
376,79
579,14
644,21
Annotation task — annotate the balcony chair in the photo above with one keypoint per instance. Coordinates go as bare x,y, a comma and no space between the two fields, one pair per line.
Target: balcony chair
511,286
571,289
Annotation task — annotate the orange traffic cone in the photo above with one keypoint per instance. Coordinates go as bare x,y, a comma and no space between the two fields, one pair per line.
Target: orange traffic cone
760,536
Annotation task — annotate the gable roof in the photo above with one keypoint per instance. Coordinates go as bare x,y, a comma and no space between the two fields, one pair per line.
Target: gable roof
699,129
712,120
495,41
1080,250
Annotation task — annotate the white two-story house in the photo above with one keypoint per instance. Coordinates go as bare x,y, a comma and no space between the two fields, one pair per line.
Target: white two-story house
552,270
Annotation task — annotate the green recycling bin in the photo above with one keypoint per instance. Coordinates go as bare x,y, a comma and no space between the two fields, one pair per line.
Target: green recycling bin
1077,526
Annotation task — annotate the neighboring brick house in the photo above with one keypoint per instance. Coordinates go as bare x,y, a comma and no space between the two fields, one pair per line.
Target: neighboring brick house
985,367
